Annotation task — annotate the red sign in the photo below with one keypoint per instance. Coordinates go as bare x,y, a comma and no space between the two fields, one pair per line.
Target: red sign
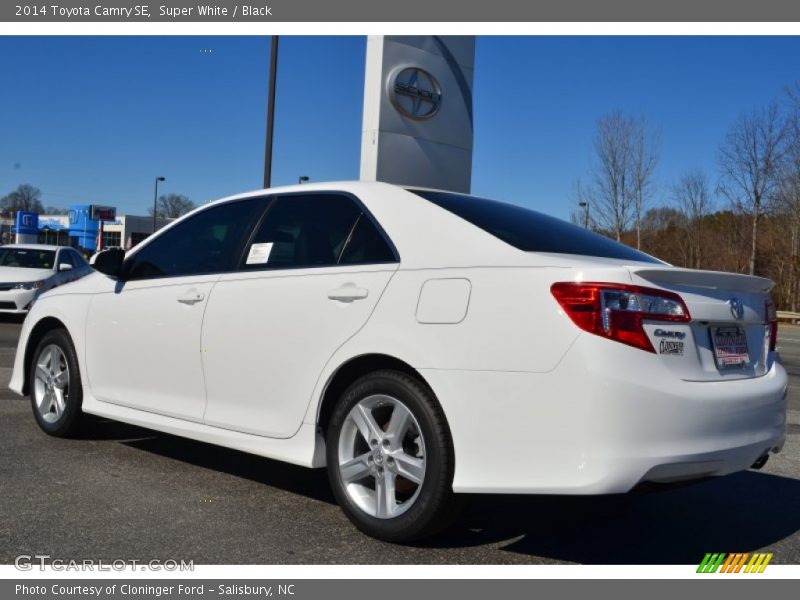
102,213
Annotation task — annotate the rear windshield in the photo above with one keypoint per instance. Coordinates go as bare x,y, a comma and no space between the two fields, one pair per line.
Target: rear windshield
531,231
27,258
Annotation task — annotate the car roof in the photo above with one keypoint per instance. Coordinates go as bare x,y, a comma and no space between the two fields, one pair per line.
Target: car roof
324,186
424,234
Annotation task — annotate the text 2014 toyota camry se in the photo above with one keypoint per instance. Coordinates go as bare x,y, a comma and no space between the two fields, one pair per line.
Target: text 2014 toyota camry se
419,344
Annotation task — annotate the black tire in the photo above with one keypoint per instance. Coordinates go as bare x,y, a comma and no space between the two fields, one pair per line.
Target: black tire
71,421
434,506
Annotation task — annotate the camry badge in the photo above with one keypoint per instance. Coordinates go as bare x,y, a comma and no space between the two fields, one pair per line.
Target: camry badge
669,334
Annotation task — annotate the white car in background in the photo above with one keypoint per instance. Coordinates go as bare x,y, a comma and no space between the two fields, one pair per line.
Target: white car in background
419,344
27,270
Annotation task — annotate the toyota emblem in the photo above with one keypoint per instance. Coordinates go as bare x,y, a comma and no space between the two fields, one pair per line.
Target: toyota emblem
737,308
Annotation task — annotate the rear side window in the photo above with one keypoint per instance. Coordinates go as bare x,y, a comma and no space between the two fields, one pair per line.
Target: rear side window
531,231
366,245
303,231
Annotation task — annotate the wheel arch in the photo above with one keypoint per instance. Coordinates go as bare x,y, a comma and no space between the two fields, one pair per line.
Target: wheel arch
42,328
350,371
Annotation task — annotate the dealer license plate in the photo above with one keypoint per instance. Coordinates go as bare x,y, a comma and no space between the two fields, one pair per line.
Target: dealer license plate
730,347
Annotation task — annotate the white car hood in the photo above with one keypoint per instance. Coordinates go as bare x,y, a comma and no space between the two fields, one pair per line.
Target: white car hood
17,274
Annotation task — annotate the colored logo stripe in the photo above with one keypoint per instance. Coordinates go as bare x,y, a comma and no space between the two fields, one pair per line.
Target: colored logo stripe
735,562
758,563
710,563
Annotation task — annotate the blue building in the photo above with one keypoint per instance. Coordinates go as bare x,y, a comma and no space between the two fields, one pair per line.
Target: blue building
76,229
82,229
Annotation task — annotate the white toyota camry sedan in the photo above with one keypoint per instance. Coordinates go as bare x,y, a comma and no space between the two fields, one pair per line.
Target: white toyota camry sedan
419,344
27,270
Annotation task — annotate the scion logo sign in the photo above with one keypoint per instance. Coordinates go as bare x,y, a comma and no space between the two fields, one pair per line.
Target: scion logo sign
415,93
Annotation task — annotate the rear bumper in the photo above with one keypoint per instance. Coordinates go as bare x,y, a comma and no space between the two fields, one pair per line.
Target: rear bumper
607,418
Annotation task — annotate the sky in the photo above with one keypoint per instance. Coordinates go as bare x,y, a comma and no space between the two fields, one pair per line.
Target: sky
96,119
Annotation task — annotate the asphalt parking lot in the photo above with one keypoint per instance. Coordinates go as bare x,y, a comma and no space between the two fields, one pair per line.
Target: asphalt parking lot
129,493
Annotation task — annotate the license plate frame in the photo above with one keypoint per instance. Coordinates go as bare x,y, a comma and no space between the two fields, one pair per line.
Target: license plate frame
729,343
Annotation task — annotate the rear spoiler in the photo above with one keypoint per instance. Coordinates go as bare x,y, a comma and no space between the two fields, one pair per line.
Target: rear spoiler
705,279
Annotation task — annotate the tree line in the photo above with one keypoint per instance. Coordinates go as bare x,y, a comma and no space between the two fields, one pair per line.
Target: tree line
29,198
744,216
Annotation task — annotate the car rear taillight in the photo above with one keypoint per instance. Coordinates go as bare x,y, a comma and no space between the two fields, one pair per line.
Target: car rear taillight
772,322
617,311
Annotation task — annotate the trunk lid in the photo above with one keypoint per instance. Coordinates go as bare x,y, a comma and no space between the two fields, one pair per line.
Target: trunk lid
728,335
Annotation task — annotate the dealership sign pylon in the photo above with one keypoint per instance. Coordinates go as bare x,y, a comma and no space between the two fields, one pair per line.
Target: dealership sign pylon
417,125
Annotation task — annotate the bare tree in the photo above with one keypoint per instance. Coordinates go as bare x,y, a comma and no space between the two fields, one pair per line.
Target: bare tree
691,195
793,92
610,194
171,206
26,197
644,144
661,223
750,160
789,192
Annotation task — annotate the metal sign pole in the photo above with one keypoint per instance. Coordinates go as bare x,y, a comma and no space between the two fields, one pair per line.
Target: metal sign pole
273,71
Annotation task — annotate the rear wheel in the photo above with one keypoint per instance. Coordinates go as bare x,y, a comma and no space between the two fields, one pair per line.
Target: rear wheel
55,386
390,457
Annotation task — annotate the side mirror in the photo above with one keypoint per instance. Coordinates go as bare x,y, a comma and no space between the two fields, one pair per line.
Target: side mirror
64,267
109,262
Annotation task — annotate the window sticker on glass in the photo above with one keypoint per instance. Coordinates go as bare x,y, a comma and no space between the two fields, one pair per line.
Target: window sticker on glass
259,253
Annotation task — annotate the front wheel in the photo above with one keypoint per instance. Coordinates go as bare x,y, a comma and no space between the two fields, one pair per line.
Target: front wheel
55,386
390,457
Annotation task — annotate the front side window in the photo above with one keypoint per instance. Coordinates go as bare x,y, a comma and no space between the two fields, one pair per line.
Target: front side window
77,259
303,231
65,257
207,242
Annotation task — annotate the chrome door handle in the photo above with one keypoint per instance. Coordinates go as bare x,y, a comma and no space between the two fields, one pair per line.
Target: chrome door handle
348,293
191,297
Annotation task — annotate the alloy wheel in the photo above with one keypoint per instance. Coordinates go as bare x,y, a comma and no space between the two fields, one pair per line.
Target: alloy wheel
51,383
382,456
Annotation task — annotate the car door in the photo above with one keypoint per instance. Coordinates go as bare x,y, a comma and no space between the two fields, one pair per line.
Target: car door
309,279
143,332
